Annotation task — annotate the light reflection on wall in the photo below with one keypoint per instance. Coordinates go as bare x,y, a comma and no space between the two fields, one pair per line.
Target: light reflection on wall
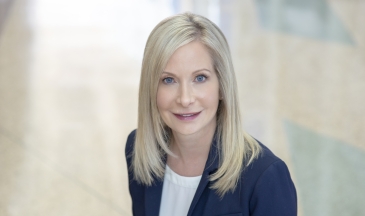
119,24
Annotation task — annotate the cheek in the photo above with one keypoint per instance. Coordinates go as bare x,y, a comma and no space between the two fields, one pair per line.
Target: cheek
212,101
209,94
163,99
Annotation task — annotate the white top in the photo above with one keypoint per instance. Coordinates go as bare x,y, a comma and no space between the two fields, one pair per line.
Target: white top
177,193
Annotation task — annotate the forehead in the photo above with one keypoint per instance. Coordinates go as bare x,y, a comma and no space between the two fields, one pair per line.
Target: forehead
190,57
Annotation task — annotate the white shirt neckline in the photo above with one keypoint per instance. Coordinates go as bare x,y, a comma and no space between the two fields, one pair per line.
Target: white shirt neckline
183,181
177,193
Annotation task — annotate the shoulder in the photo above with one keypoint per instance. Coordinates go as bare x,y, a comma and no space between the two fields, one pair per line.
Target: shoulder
130,143
258,166
129,147
264,160
270,185
266,164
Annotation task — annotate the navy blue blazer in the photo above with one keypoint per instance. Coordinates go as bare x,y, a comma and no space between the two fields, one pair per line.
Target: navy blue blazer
264,189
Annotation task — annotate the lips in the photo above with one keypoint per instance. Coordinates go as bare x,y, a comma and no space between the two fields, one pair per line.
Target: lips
187,116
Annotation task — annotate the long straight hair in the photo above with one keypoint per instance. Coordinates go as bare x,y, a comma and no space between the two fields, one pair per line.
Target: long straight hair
236,148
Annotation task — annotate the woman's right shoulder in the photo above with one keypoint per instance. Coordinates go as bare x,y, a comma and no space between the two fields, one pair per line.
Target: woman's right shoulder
130,143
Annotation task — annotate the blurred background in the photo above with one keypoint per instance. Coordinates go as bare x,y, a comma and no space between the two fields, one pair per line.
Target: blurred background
69,75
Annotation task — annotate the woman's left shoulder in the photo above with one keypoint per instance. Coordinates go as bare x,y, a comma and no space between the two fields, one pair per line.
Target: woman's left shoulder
267,179
266,159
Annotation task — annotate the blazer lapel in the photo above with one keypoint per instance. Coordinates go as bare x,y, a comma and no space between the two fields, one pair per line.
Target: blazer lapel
153,198
153,193
211,166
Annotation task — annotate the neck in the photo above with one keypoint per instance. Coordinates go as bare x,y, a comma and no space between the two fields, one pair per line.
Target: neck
191,151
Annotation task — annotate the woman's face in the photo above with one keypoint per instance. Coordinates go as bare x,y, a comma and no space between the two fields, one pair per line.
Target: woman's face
188,91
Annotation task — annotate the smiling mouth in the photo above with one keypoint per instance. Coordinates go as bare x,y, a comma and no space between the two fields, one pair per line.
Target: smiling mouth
187,116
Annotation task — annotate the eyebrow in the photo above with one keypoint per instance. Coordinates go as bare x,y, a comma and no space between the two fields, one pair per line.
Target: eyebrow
196,71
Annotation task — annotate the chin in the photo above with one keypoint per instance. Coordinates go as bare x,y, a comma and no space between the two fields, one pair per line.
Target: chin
184,131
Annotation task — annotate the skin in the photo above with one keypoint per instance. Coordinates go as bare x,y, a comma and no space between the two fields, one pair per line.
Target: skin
187,99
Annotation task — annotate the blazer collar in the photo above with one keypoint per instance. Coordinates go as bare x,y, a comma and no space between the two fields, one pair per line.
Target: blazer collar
211,166
153,193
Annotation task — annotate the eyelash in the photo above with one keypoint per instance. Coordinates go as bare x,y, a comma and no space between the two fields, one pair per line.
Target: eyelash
201,75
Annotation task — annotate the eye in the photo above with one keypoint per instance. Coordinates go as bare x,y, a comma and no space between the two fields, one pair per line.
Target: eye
168,80
200,78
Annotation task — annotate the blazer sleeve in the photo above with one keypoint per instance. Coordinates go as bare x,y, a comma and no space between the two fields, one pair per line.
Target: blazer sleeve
274,193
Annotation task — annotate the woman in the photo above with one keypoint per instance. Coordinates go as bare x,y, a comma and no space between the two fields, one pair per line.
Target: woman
190,155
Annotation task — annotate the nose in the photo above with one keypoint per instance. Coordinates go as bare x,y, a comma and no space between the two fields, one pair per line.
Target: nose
186,95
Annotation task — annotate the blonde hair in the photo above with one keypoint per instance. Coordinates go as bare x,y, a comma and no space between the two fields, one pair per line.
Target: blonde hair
236,148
